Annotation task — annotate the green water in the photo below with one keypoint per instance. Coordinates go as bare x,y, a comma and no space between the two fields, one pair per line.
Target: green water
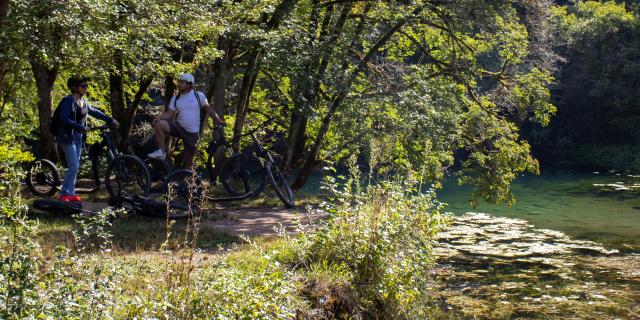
575,204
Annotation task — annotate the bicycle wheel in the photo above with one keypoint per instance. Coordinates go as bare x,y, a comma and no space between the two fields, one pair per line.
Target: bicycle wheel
159,170
43,178
280,185
243,173
55,206
155,207
184,192
127,176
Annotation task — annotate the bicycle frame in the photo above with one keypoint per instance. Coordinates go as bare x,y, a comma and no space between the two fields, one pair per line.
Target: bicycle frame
112,151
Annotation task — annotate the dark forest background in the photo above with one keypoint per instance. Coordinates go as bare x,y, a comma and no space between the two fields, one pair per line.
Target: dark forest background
597,95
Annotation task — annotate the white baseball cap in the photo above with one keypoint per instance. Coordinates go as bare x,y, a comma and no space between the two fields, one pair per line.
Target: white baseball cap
187,77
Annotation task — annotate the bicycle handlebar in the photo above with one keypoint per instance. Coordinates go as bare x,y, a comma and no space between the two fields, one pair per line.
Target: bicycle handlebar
220,127
101,128
262,125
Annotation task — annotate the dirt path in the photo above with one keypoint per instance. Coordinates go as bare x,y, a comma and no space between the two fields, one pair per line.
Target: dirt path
250,221
258,221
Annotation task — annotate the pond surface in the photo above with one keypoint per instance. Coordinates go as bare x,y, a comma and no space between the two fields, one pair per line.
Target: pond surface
599,207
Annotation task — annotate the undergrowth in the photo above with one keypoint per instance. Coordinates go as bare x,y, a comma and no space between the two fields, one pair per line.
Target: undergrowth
369,257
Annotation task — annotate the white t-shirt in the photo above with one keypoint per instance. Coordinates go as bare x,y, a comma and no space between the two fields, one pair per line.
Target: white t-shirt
189,110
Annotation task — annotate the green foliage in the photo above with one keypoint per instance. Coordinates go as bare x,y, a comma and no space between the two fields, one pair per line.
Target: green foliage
501,155
376,243
596,95
93,230
19,263
413,92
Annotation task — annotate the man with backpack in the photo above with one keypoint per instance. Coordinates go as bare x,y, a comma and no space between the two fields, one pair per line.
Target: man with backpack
187,106
69,125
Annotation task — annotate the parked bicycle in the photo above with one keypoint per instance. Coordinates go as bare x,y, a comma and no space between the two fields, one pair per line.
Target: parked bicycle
236,176
135,205
124,173
43,176
239,184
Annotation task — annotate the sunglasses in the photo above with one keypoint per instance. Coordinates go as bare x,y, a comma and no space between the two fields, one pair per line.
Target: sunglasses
83,86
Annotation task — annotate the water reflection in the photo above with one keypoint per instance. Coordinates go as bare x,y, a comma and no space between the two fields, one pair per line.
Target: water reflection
599,207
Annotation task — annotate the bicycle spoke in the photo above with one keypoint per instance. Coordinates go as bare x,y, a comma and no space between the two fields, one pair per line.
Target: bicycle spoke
127,176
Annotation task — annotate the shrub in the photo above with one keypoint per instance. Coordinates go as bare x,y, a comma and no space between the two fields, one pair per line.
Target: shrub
379,240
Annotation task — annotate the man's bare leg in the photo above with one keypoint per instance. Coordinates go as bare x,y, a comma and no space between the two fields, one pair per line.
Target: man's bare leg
161,128
187,158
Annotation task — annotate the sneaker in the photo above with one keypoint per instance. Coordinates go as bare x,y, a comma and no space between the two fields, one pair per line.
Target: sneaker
75,198
158,154
64,197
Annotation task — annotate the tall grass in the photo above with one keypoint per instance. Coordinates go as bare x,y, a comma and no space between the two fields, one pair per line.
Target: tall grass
372,254
370,257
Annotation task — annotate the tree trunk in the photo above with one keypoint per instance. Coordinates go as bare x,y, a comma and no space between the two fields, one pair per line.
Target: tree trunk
116,93
312,160
169,83
169,90
217,90
45,78
310,88
242,104
127,125
253,69
296,138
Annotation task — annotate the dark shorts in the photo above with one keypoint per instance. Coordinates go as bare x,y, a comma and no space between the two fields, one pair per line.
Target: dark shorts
189,139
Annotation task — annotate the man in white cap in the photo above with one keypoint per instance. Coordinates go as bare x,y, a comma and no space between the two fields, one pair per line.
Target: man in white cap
187,105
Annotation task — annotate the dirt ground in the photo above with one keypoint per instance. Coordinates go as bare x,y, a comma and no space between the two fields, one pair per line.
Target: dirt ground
263,221
250,221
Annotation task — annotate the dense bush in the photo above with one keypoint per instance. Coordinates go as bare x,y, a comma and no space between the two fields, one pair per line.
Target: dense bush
376,244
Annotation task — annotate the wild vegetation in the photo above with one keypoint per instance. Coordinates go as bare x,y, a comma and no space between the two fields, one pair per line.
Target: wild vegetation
419,89
369,257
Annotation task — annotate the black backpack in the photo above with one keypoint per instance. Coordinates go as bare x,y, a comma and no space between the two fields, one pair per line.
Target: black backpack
55,122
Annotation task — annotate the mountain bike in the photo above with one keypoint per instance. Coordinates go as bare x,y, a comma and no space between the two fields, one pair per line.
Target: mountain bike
138,205
276,178
124,173
235,174
241,177
43,177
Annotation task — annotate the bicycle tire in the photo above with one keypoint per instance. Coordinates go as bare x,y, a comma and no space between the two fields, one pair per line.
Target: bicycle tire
243,173
184,192
120,174
59,207
159,170
280,185
42,178
154,207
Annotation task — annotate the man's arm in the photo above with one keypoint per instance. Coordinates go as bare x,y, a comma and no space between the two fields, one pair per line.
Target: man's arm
212,113
167,115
